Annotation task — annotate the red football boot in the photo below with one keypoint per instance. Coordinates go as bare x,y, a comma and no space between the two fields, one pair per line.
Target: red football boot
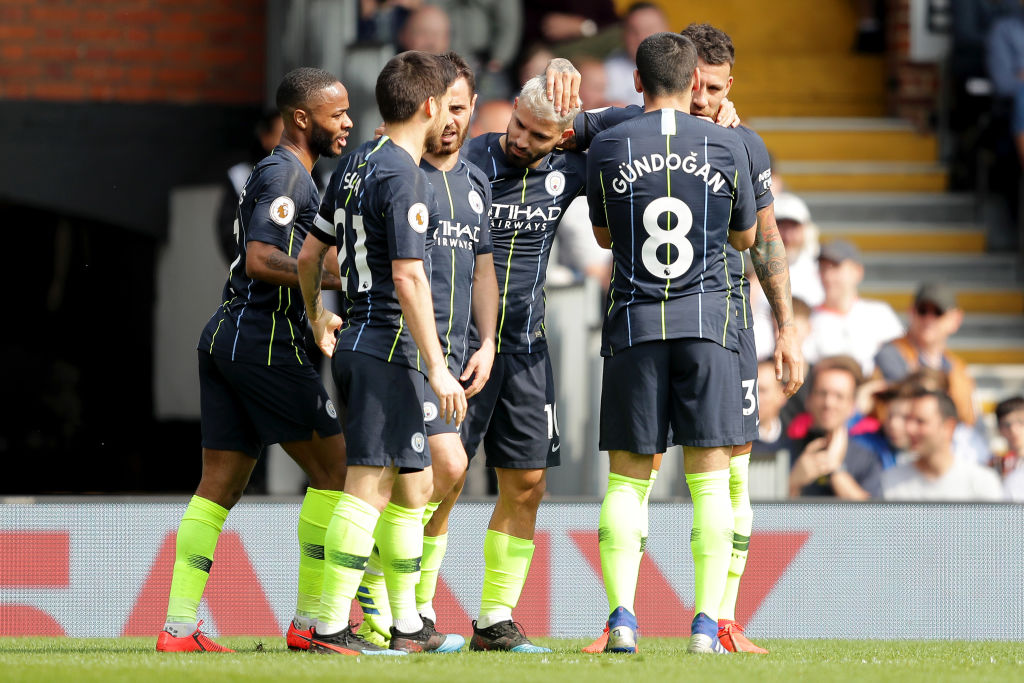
730,634
197,642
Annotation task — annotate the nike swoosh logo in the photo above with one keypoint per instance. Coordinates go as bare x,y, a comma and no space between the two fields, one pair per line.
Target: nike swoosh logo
554,449
335,648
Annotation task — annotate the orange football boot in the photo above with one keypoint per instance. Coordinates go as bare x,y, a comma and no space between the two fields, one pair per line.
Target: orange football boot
298,640
197,642
730,634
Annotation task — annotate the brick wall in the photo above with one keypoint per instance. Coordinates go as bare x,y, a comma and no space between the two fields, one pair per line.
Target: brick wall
914,94
166,51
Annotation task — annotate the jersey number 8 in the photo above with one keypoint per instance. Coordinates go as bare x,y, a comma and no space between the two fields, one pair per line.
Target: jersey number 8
679,214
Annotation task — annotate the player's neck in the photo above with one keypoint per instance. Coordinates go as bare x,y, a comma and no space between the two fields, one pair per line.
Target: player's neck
677,102
410,136
442,162
301,152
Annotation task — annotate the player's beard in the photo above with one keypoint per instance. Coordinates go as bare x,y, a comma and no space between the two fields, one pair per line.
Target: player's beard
321,141
436,146
521,162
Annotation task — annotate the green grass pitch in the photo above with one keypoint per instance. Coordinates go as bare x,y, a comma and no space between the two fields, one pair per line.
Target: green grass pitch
71,660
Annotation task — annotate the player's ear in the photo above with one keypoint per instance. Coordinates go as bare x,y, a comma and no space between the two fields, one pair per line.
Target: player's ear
300,117
637,83
566,134
695,80
430,107
472,105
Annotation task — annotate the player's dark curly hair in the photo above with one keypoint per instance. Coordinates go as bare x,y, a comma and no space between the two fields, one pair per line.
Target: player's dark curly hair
714,46
408,80
300,86
462,69
666,62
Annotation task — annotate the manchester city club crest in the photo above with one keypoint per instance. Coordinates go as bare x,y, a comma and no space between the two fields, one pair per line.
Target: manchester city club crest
419,442
554,183
429,411
475,202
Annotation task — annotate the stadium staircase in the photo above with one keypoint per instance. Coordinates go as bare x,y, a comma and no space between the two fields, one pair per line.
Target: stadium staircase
869,179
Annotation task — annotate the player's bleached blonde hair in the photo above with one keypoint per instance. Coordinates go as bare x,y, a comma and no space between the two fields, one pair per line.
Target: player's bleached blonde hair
534,96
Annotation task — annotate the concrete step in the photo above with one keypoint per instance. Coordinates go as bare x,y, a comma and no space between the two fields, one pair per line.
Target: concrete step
844,139
1004,327
988,351
972,298
790,26
907,236
930,207
997,382
863,176
957,269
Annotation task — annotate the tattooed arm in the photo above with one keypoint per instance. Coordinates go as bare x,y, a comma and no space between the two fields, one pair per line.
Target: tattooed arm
769,258
267,263
311,277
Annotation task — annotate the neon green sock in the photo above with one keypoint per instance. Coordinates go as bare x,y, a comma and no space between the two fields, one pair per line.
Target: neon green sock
506,564
314,516
710,538
429,511
743,520
373,596
620,538
193,556
347,546
400,541
645,516
434,548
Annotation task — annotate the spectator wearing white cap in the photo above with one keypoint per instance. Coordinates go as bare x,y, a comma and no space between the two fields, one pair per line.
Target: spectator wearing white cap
845,324
800,236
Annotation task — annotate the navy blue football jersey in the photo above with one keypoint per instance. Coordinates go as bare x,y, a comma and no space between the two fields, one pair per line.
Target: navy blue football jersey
259,322
377,208
463,231
526,207
669,186
589,123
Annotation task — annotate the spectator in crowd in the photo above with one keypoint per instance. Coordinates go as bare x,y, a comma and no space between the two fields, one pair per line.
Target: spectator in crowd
561,21
934,318
427,29
826,462
1005,59
381,21
845,324
935,473
594,82
1010,420
267,134
1010,414
800,236
491,117
642,19
534,60
488,34
870,26
889,441
770,399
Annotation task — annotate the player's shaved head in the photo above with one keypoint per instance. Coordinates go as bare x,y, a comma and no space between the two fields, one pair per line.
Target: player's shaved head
714,46
666,62
408,80
301,88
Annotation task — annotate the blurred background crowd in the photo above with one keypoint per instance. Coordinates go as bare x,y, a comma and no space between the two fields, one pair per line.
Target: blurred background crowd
896,128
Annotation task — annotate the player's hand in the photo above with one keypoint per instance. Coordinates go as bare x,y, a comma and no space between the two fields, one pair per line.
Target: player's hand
479,368
450,395
380,130
324,329
727,116
789,361
563,86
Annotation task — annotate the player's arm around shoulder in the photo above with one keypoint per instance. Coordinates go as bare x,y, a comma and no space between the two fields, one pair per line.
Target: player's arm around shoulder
743,222
597,199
